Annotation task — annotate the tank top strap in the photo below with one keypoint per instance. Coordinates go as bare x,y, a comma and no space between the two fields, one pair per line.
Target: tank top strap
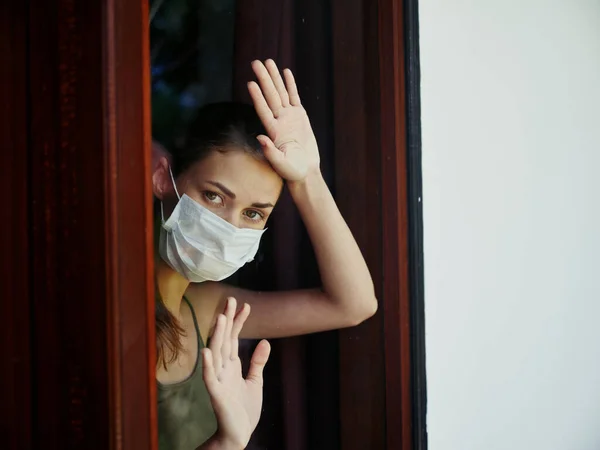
196,327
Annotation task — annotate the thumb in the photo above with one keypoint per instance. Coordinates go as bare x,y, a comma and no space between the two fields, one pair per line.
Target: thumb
272,153
258,362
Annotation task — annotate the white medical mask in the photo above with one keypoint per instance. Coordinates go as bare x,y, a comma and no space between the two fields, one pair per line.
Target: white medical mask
202,246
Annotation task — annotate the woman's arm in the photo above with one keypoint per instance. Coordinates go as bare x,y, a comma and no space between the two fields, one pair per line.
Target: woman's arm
347,283
347,296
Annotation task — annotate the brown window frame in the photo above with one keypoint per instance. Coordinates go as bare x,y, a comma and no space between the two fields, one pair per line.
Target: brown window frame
77,126
376,50
77,273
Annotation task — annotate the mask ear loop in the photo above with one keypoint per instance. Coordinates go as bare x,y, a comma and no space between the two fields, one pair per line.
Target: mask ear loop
174,185
162,213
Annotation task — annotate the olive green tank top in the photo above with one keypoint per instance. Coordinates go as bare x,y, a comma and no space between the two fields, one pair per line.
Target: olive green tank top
185,415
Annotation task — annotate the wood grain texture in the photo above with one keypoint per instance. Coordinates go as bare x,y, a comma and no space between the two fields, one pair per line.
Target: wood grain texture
129,225
15,380
68,296
92,303
396,281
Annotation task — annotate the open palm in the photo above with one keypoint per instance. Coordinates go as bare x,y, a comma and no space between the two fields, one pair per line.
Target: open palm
237,402
290,146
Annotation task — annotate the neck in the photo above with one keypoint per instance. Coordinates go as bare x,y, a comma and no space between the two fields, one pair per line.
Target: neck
171,286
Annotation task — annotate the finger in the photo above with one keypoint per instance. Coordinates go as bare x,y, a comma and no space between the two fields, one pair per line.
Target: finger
292,89
267,86
216,342
208,371
258,362
239,321
229,314
272,153
238,324
260,104
278,82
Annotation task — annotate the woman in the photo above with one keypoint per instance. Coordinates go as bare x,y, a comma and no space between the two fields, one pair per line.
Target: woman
216,194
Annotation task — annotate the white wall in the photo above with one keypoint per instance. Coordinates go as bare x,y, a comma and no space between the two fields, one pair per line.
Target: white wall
511,163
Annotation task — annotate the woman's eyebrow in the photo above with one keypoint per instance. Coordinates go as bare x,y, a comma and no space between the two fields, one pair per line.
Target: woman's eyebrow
262,205
229,193
225,190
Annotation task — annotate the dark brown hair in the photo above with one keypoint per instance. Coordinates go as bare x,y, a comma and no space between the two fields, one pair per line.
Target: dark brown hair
216,127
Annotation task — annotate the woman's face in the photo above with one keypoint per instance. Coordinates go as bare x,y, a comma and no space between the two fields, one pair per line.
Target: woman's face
234,185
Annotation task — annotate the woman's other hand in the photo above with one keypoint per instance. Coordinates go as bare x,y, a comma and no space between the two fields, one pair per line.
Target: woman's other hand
237,402
290,146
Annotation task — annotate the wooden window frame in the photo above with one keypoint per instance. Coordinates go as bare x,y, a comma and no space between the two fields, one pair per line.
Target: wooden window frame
79,83
402,173
77,275
376,50
15,392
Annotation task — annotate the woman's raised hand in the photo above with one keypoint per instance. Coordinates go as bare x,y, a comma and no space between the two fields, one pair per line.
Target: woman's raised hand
237,402
290,146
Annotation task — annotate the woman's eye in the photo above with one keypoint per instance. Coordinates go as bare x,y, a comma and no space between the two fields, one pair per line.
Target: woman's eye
254,215
213,197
